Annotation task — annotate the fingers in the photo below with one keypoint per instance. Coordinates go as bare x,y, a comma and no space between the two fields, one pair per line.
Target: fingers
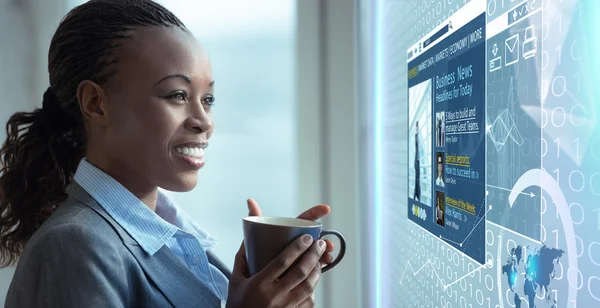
330,246
326,258
299,273
286,258
239,265
315,212
307,303
304,291
253,208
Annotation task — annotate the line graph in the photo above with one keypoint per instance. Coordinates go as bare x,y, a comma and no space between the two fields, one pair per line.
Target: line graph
444,285
469,235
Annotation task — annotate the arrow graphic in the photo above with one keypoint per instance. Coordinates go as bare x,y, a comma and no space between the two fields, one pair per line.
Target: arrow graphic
494,52
506,189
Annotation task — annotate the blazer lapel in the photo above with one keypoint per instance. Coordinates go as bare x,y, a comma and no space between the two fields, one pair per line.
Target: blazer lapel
169,274
174,279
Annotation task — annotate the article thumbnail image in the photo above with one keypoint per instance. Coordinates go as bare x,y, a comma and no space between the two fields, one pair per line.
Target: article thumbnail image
440,129
439,170
420,142
440,208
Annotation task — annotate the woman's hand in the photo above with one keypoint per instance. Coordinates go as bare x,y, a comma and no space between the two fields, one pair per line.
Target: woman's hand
267,290
313,214
263,289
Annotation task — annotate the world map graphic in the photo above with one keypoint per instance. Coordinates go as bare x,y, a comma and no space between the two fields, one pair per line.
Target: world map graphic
528,274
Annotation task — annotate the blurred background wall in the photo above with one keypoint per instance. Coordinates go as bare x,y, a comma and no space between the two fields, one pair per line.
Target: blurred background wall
286,114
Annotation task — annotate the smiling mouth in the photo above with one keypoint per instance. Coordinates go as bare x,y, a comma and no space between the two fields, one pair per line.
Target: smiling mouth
194,152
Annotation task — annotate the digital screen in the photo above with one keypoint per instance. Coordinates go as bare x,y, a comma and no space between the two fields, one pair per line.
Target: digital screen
490,153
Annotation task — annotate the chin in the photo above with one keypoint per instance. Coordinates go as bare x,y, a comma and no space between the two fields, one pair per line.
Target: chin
182,183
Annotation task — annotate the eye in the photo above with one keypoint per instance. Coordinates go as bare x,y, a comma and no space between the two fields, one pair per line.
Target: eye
208,100
178,96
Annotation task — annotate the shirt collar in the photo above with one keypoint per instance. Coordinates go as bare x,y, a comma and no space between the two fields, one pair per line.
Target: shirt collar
151,230
169,211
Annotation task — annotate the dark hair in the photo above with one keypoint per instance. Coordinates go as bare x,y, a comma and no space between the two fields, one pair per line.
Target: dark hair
43,148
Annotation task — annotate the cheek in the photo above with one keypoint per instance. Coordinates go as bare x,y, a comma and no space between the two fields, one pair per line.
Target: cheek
146,132
212,128
159,125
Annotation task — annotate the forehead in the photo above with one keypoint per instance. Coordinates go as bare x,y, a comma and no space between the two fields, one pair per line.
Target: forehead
154,52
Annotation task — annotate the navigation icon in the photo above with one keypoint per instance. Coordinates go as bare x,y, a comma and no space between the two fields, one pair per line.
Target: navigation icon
496,62
530,43
511,46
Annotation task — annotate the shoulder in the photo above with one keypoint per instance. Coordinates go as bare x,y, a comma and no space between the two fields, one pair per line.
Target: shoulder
73,234
76,223
75,249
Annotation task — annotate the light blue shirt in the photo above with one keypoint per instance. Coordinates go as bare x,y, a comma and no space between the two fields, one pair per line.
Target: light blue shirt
152,230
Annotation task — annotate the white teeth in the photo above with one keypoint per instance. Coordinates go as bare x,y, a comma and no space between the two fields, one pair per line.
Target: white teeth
194,152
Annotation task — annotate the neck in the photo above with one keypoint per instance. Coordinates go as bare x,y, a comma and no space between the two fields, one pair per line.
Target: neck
132,180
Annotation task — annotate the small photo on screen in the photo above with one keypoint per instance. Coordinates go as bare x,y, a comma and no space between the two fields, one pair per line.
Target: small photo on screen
439,170
440,129
440,208
420,143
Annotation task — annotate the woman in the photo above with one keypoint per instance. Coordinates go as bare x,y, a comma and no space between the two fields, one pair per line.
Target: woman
128,110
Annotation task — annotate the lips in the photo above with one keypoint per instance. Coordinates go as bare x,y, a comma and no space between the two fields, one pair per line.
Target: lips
192,153
192,157
193,149
196,152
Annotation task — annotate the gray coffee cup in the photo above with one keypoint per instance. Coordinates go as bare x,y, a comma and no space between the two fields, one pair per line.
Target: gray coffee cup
266,237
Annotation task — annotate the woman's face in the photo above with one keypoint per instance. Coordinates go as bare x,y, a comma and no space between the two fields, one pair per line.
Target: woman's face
159,106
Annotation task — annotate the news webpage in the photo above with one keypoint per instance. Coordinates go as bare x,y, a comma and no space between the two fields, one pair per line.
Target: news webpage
446,119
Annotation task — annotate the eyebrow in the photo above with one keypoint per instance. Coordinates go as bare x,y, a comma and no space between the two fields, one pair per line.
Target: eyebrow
184,77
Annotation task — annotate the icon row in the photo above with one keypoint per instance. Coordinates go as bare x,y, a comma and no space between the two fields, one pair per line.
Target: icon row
512,52
419,212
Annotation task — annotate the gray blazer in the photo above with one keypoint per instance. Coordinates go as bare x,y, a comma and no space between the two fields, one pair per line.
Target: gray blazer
80,257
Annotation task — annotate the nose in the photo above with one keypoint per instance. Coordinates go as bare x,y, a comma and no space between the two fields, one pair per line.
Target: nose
200,119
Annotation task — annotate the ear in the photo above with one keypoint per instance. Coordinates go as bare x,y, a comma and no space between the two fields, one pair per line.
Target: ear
93,103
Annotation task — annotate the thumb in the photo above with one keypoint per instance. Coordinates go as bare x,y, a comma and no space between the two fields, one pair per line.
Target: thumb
253,208
239,265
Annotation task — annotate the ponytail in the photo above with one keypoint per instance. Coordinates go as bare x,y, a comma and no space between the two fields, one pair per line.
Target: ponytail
37,163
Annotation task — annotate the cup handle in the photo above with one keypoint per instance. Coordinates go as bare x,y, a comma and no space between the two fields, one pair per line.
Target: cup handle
342,252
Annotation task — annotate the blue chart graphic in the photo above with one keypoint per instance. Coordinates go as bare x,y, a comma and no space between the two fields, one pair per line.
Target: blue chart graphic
504,128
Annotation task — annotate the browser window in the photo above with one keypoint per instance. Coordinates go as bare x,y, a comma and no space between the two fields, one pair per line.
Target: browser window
446,124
